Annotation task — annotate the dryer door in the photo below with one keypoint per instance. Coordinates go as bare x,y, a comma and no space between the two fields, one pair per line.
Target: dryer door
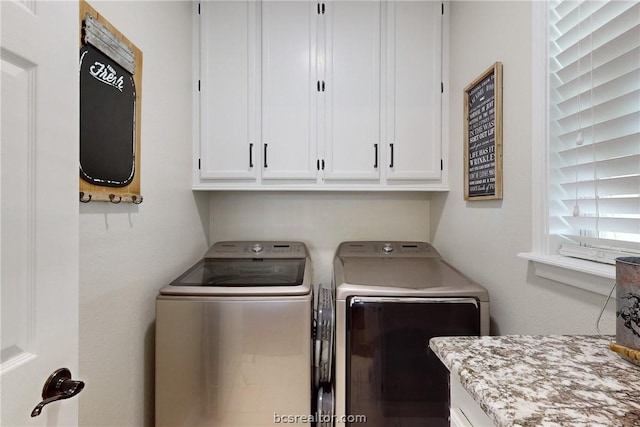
392,376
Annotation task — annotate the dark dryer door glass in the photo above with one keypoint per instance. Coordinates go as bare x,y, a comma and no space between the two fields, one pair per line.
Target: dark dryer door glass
392,376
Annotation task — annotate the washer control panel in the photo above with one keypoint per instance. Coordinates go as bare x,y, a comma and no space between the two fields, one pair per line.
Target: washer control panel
257,249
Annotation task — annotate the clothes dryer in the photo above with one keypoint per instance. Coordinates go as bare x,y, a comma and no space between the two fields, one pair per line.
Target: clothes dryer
391,298
234,338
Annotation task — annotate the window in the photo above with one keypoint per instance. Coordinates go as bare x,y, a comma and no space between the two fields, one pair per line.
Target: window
594,128
586,139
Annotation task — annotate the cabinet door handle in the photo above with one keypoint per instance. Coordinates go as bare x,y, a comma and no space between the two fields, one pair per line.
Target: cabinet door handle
265,155
391,146
250,154
375,158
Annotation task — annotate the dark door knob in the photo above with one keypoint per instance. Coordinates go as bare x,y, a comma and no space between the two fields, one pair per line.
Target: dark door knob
57,387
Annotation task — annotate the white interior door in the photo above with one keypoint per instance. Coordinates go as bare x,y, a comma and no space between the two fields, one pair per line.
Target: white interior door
38,206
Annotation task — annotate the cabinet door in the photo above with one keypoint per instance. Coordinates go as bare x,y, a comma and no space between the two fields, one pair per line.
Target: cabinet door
414,52
228,62
289,95
352,113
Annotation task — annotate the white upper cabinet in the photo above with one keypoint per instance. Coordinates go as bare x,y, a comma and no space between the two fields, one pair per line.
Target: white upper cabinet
228,122
414,79
342,95
289,97
352,109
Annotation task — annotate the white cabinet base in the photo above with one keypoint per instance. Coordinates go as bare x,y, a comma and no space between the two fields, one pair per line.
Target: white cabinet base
465,412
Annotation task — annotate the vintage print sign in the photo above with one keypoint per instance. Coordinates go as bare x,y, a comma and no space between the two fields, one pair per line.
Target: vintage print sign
483,136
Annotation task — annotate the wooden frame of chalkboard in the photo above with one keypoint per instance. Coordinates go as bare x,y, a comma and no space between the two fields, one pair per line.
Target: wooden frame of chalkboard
483,136
116,60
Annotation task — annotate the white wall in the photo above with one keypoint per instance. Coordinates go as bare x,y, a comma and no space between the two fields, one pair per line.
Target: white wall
322,220
129,251
482,238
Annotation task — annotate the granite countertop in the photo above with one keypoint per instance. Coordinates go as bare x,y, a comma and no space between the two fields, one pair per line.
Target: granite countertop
545,380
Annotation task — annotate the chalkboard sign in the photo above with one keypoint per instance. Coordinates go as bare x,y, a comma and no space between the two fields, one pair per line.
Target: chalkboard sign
110,100
107,120
483,136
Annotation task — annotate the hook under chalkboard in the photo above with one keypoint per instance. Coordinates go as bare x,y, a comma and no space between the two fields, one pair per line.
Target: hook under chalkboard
82,199
85,197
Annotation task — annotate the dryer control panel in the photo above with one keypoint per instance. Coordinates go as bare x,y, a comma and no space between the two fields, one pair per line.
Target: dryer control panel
394,249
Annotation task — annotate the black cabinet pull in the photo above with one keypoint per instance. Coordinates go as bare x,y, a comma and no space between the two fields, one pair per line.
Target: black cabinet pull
391,146
323,85
375,158
322,164
250,154
265,155
318,164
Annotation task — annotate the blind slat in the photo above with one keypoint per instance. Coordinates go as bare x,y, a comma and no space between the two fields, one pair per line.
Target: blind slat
614,225
607,23
627,245
602,92
610,148
620,186
606,168
580,67
620,205
612,129
602,112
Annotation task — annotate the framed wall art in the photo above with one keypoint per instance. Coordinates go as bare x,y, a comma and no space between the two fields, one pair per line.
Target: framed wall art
483,136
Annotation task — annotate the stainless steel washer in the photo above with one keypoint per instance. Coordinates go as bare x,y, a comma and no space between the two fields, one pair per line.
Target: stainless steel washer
391,298
234,338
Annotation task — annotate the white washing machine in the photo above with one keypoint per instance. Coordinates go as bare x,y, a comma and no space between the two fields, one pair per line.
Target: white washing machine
391,298
234,338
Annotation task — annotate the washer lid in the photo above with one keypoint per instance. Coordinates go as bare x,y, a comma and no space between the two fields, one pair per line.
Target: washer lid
249,272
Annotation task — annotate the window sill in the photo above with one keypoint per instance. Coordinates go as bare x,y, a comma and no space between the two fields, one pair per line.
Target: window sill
590,276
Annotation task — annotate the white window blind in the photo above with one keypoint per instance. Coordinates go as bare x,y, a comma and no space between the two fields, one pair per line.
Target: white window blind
594,128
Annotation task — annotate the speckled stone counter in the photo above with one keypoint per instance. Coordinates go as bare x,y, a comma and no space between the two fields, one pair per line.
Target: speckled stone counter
545,380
